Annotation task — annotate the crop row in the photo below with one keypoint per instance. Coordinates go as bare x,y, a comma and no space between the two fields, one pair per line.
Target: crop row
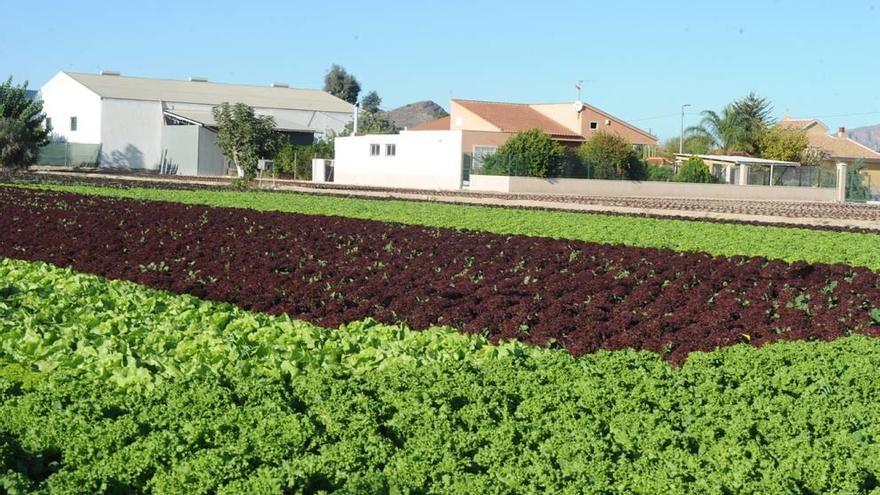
785,243
110,387
332,270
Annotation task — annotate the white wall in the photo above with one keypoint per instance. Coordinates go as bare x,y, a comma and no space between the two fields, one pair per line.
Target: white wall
131,134
64,97
647,189
424,160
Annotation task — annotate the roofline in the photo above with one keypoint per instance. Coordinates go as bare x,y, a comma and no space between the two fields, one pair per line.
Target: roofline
733,159
861,145
199,82
625,123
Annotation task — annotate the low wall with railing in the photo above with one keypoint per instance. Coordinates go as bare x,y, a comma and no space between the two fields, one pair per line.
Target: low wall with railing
648,189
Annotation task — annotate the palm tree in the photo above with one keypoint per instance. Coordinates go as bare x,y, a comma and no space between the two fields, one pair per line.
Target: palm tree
739,125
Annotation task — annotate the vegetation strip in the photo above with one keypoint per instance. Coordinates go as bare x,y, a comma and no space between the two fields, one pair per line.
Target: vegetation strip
333,270
106,386
785,243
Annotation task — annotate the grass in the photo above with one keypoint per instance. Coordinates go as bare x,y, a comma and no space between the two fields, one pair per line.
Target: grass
789,244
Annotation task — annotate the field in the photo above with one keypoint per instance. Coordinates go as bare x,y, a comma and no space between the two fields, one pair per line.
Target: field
232,342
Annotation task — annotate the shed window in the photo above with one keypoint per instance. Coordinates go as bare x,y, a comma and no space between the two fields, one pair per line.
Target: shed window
594,125
390,149
73,123
374,150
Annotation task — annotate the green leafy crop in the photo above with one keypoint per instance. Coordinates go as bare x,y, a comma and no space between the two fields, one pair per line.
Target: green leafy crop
108,387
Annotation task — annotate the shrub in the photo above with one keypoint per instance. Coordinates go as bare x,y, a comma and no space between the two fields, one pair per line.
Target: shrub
695,170
609,156
22,129
659,173
529,153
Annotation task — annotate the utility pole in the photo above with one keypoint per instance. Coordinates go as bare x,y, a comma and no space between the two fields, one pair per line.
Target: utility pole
681,134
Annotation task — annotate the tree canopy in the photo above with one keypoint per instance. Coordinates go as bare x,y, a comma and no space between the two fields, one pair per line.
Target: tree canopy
529,153
370,102
243,137
22,126
339,83
789,145
738,127
609,156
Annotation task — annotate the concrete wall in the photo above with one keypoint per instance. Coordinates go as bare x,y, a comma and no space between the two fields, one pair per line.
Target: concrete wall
211,160
64,97
424,160
131,134
608,188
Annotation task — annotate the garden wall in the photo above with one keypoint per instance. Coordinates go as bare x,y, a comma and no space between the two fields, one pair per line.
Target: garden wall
622,188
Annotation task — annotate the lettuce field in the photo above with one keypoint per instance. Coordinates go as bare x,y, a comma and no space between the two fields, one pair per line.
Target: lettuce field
308,345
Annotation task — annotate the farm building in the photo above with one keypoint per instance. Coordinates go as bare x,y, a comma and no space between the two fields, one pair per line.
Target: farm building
167,125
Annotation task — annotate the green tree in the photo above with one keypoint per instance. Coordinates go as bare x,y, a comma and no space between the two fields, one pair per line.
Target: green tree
370,103
739,126
659,173
609,156
695,170
529,153
22,126
371,123
693,144
243,137
296,161
339,83
778,143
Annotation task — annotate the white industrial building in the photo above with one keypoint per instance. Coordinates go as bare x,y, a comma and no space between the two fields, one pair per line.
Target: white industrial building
168,125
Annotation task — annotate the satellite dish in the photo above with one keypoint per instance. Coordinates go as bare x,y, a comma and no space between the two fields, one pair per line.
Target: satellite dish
578,106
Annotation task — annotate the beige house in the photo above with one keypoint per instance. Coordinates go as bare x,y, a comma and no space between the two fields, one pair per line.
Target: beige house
487,125
837,147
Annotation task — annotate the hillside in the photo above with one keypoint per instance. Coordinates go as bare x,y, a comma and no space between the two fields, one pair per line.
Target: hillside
416,113
868,136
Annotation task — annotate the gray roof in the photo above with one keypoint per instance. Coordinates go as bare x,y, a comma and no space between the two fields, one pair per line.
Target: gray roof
206,118
208,93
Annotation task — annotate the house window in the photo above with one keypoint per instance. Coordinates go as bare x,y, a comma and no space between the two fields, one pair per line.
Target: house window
73,123
374,150
480,154
594,125
390,150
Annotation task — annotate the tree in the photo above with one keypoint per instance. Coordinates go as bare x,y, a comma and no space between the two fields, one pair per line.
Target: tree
296,161
371,123
339,83
529,153
609,156
243,137
693,144
370,103
22,126
695,170
739,126
778,143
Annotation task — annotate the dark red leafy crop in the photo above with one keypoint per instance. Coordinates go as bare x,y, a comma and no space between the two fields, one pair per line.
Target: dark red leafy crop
331,270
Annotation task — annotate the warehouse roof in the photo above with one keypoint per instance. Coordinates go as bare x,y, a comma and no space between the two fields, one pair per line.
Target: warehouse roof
208,93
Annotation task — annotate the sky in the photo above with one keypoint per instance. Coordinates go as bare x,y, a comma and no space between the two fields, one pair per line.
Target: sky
639,60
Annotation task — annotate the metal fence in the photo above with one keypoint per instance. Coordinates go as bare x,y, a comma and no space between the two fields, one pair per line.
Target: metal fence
69,155
793,176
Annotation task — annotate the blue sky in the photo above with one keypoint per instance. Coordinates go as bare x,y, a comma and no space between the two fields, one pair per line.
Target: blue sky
640,60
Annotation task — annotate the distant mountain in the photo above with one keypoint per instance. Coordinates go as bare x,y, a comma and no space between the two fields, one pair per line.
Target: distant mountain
868,136
415,113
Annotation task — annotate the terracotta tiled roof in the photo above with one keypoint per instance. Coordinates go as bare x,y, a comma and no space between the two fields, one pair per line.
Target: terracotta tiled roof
842,147
516,117
441,124
798,124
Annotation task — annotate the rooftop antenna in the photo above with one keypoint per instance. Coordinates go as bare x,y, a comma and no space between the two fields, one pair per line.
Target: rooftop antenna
578,85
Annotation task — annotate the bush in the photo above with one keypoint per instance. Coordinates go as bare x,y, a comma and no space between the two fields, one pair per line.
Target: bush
695,170
609,156
22,129
296,161
529,153
659,173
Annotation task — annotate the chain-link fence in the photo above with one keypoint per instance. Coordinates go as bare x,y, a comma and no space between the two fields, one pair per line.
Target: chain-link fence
69,155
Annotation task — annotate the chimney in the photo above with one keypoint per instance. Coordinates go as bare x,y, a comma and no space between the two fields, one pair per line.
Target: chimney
841,132
110,73
280,85
197,79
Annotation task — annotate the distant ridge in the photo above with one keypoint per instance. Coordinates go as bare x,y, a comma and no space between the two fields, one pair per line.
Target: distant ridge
416,113
868,136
